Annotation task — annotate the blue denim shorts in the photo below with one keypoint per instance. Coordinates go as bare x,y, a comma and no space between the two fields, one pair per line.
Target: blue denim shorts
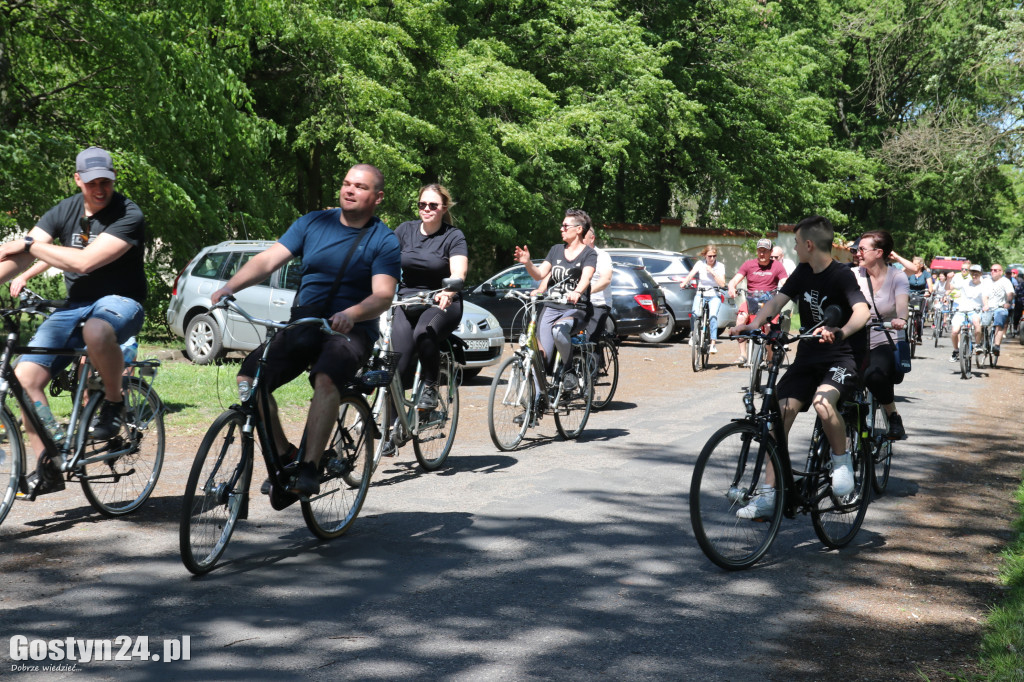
63,328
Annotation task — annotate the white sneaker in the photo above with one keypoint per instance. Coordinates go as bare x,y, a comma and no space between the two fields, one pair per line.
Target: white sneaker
689,341
713,350
842,474
955,357
761,506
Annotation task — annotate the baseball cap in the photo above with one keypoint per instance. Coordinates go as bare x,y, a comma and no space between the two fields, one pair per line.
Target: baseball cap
94,163
764,243
1014,271
975,268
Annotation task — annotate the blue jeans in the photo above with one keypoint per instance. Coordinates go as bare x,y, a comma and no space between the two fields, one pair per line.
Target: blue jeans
714,304
63,328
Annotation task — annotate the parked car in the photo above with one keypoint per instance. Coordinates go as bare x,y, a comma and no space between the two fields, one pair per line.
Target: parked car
637,302
669,269
209,335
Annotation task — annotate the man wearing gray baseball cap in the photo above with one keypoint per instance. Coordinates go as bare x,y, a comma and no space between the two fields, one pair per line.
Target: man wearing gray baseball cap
102,239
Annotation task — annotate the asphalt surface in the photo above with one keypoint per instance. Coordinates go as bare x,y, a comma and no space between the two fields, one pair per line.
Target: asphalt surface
561,560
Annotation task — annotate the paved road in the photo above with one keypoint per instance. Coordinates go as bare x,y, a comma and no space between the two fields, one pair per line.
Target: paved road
564,561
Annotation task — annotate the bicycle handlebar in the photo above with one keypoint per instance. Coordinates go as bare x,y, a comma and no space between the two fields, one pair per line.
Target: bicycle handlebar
228,302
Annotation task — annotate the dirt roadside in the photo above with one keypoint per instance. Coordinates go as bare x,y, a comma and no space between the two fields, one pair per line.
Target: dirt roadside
919,610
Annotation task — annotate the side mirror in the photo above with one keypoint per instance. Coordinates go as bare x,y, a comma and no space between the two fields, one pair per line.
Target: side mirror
453,283
832,316
487,289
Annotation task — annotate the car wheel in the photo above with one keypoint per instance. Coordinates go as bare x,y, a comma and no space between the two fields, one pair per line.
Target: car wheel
660,334
203,340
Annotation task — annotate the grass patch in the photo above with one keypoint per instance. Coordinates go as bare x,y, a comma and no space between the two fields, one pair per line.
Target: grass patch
1002,649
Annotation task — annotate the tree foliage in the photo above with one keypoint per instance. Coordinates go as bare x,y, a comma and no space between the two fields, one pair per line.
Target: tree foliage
229,118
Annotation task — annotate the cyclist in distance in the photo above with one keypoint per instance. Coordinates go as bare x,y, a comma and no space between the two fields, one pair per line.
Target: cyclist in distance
764,276
1018,296
364,289
557,322
708,273
601,319
102,241
432,249
971,299
825,368
1000,301
887,292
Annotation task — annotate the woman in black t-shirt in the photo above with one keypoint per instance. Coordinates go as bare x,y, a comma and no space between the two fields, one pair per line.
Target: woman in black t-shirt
556,324
432,249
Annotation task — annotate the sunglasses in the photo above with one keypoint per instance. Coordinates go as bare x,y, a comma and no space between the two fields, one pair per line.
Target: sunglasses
432,205
86,226
565,227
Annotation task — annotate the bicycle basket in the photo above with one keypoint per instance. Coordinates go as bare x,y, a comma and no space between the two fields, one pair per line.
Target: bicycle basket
380,368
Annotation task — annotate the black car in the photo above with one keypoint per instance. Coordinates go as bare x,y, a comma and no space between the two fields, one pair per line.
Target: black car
637,302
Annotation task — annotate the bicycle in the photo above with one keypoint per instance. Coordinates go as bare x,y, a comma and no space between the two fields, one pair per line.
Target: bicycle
758,358
398,420
915,324
217,491
965,346
700,331
942,311
520,393
117,475
988,340
604,367
732,466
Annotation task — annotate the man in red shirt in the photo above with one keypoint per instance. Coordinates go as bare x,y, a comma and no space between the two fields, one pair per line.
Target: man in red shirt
764,277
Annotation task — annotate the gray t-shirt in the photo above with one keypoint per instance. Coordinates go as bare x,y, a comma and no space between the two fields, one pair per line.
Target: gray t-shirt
884,302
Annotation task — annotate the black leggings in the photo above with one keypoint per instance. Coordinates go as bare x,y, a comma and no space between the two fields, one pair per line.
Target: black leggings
422,334
879,373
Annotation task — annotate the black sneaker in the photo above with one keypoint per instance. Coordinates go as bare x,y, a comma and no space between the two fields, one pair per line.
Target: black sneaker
290,463
995,351
896,430
428,398
307,480
36,484
108,422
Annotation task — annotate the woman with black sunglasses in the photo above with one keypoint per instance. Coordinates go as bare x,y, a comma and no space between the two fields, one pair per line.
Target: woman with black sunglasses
432,249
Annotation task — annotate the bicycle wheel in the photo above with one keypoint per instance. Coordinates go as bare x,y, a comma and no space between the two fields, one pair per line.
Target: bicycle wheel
705,343
217,490
914,334
937,327
605,372
696,341
573,407
881,449
725,479
11,460
756,359
349,457
382,415
989,346
512,396
437,434
122,484
965,353
837,518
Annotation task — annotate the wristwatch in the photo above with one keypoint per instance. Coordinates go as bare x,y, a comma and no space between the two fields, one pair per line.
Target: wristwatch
28,242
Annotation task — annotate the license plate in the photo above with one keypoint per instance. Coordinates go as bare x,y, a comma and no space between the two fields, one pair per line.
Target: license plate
477,344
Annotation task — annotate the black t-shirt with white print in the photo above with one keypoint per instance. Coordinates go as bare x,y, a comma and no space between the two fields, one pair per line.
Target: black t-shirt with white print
835,285
561,265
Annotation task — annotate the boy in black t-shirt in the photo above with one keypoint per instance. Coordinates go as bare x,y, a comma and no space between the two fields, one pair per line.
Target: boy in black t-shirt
825,369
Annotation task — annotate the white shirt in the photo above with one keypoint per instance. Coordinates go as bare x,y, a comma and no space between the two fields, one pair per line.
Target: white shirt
705,278
604,264
970,296
999,292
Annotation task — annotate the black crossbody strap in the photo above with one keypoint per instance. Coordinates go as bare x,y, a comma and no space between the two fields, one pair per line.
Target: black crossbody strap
344,265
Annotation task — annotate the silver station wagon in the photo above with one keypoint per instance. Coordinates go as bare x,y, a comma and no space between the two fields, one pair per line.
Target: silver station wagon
210,334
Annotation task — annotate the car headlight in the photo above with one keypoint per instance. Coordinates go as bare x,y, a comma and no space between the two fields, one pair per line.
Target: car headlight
492,321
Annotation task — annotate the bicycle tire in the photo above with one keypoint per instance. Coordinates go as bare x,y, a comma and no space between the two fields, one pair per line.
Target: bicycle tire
965,353
383,409
881,449
913,334
705,343
605,372
937,327
724,472
838,519
216,491
12,460
434,443
349,457
573,408
990,346
756,358
125,483
696,339
512,394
